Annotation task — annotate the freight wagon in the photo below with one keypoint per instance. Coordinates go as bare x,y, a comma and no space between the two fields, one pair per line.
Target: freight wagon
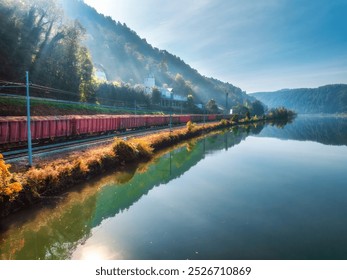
13,130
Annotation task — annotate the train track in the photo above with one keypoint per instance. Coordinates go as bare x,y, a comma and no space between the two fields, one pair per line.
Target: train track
16,155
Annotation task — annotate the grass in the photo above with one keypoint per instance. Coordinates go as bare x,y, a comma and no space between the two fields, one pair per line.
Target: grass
58,175
17,106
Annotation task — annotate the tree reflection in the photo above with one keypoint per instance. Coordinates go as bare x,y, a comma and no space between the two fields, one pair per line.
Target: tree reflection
55,232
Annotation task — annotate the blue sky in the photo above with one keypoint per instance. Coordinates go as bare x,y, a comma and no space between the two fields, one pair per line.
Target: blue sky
256,45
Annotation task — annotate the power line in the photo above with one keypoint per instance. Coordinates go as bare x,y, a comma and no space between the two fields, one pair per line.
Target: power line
38,89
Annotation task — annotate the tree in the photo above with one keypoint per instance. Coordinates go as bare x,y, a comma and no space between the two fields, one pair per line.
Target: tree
257,108
156,96
85,72
190,101
9,34
240,110
212,107
181,86
66,65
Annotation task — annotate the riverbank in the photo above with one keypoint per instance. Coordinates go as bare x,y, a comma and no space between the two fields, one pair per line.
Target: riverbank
53,178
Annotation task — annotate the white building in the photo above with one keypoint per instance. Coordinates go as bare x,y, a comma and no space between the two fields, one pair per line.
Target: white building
168,97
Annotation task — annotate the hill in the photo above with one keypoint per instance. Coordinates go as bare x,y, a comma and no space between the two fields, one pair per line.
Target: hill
126,57
329,99
62,44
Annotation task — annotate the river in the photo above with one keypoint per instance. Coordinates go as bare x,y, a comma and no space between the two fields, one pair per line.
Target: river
263,192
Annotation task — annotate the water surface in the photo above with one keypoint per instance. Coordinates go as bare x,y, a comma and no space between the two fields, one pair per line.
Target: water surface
248,193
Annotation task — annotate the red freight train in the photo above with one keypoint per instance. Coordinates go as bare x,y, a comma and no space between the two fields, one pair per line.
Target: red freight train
13,130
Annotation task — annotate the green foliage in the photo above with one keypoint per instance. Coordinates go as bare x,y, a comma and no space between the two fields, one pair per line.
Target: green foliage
212,107
240,110
127,57
280,113
328,99
36,35
181,86
156,96
87,85
120,94
256,108
234,118
190,101
38,41
40,107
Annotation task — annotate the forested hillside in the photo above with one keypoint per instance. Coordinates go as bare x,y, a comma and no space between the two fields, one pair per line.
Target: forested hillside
34,38
330,99
329,130
128,58
61,41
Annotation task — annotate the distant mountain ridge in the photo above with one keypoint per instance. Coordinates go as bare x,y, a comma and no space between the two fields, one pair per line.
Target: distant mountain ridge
329,99
127,57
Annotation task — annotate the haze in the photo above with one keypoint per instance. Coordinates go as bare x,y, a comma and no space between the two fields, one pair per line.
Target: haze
256,45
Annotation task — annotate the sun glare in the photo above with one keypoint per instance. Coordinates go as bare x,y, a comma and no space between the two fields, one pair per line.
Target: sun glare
94,253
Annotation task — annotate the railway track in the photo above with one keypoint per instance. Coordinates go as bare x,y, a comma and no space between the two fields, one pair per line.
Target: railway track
17,155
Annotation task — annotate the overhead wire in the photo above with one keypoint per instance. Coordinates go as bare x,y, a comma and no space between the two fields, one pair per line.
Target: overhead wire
54,90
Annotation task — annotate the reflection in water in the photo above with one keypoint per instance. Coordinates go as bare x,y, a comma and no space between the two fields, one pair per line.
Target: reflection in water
226,196
329,130
54,231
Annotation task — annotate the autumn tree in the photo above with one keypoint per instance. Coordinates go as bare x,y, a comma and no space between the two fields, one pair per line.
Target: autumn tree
8,186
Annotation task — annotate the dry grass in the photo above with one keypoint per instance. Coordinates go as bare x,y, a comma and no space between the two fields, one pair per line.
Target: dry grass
58,175
9,186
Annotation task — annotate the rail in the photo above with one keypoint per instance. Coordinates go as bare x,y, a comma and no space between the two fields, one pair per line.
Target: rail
14,155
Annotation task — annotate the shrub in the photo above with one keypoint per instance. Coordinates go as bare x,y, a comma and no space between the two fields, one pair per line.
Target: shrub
191,127
8,186
223,122
234,118
144,149
124,151
255,118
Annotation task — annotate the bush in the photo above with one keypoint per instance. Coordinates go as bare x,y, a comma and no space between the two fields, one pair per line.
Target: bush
234,118
191,127
8,186
255,118
144,149
223,122
124,151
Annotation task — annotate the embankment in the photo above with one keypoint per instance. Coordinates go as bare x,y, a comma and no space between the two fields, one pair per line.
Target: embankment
58,176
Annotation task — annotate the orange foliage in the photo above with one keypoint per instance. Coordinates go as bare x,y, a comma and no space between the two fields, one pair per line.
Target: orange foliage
8,186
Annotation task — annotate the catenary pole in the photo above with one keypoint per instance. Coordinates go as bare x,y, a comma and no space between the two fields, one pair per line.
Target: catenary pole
30,152
226,103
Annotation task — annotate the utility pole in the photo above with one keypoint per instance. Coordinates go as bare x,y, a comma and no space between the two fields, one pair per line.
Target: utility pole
204,115
30,152
226,103
171,97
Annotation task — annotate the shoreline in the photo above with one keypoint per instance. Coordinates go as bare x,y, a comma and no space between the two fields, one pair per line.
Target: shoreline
59,176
